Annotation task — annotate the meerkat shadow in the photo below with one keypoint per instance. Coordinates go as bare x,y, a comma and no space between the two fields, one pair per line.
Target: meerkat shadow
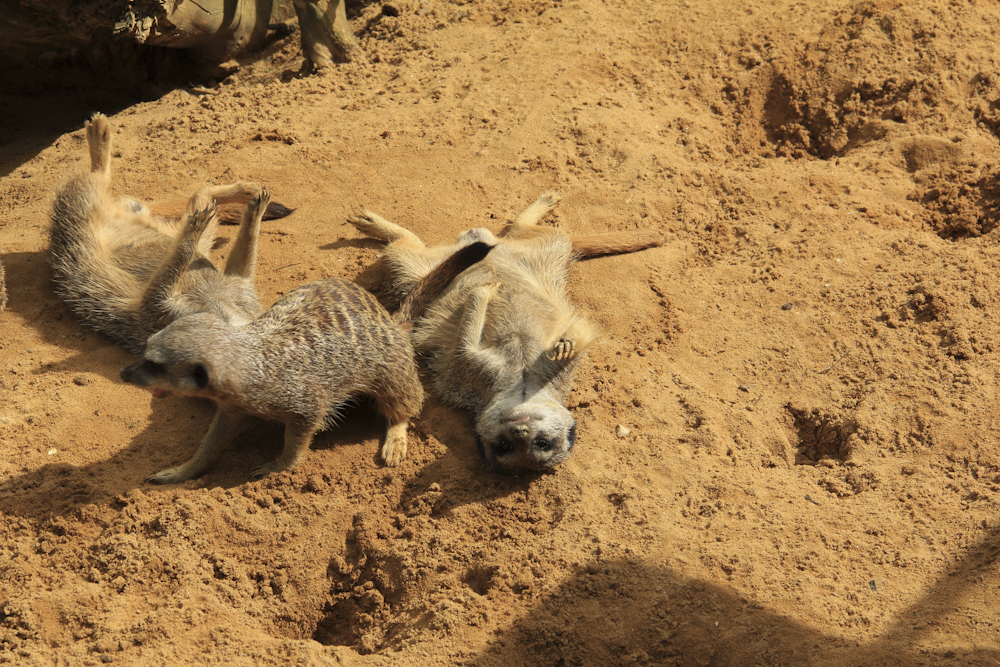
174,429
359,244
461,469
31,298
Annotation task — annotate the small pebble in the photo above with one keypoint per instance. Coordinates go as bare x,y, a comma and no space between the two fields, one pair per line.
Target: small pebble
786,306
81,380
622,431
434,487
53,451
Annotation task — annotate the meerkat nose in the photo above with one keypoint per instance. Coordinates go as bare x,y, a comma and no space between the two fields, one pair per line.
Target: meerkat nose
520,431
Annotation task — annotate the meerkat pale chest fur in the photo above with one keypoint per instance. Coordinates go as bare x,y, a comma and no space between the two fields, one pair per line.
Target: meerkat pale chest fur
314,349
129,272
503,340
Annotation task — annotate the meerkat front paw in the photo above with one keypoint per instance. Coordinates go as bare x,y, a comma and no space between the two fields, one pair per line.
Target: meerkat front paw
564,350
490,290
394,449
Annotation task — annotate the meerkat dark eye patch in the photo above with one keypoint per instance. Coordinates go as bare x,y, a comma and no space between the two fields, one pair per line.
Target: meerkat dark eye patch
571,437
200,375
153,368
542,444
502,447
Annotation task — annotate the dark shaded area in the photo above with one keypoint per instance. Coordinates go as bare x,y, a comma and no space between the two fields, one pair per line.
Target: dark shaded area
31,122
627,613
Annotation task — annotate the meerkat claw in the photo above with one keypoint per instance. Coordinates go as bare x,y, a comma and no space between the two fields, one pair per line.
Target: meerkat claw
168,476
265,469
564,350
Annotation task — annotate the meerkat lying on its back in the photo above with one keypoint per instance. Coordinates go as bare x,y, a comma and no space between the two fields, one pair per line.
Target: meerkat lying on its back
503,340
128,272
317,347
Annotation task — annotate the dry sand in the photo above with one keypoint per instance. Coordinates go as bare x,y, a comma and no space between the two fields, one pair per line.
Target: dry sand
807,369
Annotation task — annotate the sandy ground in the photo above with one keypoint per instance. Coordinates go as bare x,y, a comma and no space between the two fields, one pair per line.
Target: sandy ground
807,368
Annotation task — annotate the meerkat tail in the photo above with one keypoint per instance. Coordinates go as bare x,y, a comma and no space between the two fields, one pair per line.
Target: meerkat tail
614,243
431,285
229,214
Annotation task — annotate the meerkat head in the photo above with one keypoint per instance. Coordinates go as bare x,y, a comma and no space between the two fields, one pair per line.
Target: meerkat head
475,235
193,356
535,434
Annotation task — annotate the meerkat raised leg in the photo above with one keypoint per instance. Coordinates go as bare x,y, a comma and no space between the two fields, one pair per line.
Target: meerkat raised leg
99,141
225,426
406,257
298,434
527,221
161,285
243,258
234,193
377,227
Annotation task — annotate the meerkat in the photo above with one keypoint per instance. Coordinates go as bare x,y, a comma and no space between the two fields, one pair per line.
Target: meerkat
503,339
316,348
128,272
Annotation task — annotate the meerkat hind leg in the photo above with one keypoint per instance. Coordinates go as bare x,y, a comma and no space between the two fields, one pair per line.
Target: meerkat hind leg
220,434
377,227
99,140
298,435
530,216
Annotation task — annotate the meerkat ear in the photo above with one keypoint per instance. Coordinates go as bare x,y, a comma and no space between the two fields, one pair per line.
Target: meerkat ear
200,375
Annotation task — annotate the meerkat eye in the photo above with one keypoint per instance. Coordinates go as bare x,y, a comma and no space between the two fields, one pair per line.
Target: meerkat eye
571,437
200,376
542,444
502,447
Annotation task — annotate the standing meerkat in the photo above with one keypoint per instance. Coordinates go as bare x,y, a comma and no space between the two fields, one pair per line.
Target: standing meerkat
503,339
128,272
316,348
